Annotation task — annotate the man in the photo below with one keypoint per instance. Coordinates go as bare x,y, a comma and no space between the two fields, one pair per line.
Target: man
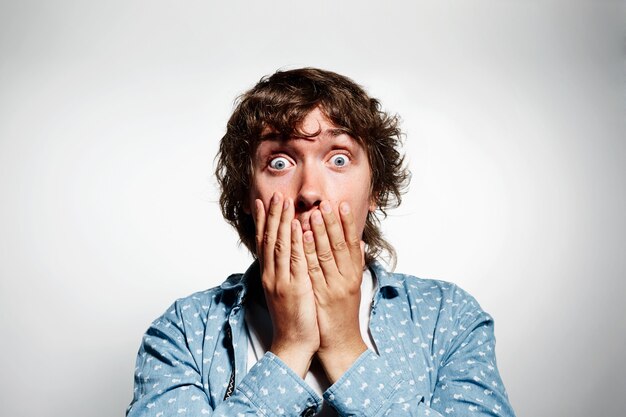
307,160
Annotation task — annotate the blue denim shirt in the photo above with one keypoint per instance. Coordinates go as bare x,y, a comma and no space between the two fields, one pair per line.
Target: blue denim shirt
436,358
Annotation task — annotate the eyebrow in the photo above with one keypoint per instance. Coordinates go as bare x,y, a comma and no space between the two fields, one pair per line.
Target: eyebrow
278,136
336,131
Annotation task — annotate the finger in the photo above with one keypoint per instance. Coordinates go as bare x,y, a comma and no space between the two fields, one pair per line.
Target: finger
336,240
269,234
298,259
313,266
350,232
322,245
282,247
259,222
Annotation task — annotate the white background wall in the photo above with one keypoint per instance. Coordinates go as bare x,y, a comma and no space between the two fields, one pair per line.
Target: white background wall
110,116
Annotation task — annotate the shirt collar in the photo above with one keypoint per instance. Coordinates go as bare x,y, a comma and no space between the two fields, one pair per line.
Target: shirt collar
239,284
383,277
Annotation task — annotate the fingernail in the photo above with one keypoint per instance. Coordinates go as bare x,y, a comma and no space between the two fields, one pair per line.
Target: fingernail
345,208
325,206
286,204
316,216
308,236
275,198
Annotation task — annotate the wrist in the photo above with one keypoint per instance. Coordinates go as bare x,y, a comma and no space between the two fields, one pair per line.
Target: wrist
297,358
338,359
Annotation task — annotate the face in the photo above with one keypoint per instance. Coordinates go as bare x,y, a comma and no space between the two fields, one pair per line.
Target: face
329,166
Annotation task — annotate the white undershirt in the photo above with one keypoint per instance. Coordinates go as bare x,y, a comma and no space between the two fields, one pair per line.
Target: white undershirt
259,327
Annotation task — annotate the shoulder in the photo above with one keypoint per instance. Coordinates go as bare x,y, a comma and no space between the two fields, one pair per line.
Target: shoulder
444,316
432,302
439,291
428,290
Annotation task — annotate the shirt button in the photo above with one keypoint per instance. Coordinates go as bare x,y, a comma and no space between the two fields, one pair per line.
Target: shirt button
308,412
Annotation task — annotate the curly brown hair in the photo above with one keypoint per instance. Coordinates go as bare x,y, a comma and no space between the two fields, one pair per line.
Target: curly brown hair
280,102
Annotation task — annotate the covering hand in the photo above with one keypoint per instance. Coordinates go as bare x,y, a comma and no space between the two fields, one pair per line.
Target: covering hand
288,290
334,255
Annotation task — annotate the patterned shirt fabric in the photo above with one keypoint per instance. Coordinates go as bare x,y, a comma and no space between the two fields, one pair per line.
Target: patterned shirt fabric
436,358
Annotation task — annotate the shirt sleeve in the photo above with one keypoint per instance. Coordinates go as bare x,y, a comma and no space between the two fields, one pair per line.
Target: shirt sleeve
467,382
168,382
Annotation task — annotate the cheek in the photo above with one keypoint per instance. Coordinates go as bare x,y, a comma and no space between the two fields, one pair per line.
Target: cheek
257,192
264,187
361,202
361,218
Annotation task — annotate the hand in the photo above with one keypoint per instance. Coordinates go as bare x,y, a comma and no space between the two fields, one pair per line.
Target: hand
287,287
334,254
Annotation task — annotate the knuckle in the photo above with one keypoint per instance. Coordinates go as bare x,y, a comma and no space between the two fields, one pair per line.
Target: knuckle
325,256
279,246
340,246
356,243
347,291
314,269
280,291
295,258
267,281
353,288
268,239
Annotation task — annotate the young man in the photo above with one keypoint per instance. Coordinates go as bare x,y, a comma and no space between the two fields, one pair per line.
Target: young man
316,326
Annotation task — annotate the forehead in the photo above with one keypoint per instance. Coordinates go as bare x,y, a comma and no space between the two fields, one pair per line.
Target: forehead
313,122
315,128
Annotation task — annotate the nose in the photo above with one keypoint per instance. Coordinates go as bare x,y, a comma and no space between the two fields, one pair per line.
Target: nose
311,189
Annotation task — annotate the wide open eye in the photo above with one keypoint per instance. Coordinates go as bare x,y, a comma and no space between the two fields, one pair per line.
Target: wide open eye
279,163
339,160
